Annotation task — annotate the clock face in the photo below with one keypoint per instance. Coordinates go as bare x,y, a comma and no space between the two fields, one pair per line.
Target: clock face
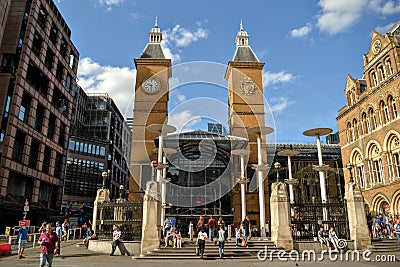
151,86
376,47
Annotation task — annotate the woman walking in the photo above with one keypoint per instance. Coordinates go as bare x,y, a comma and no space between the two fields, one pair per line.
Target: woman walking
201,241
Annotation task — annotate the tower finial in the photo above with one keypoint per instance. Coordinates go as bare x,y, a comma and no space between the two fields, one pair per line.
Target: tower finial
156,23
241,25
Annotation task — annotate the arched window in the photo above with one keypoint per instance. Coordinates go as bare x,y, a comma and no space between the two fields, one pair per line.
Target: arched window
389,66
392,107
393,157
358,170
374,78
355,129
375,165
364,127
382,70
349,132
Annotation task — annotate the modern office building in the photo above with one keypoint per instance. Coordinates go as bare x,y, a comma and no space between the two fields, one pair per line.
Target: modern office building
37,80
369,124
100,142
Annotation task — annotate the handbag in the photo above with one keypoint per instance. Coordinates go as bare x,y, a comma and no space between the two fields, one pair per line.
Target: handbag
243,243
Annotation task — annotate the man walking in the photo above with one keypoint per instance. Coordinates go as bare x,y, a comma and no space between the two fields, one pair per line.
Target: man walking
48,242
59,235
22,240
211,226
116,237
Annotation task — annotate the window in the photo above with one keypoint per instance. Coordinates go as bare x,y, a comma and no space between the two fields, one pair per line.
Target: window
61,138
71,60
57,166
68,83
24,108
382,70
389,65
39,118
395,114
375,78
33,154
37,79
18,146
71,146
1,141
63,47
7,108
53,34
36,44
48,62
386,111
59,71
52,125
42,17
46,160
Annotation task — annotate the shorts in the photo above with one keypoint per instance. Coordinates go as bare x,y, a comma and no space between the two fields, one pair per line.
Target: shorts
22,244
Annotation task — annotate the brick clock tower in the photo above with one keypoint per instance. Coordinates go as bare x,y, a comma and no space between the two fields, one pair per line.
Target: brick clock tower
246,110
153,71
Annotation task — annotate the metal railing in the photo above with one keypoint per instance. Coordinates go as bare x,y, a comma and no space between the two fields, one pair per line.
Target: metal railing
127,215
308,218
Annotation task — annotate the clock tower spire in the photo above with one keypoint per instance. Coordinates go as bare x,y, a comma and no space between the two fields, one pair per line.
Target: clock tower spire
153,71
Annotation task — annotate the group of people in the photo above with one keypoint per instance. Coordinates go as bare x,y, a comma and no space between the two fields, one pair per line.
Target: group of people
328,239
382,226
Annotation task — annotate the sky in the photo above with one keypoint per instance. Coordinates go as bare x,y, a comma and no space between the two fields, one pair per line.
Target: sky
309,48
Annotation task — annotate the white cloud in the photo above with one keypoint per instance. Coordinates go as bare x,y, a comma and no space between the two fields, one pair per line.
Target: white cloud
280,104
277,77
338,15
181,97
183,120
301,32
385,8
118,82
384,29
179,37
110,3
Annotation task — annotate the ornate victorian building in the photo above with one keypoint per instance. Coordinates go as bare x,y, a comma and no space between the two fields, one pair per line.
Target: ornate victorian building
369,125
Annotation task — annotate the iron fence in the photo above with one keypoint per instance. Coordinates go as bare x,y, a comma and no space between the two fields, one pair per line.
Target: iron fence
308,218
127,215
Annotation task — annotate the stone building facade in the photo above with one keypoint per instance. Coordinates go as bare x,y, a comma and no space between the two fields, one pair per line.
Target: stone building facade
369,124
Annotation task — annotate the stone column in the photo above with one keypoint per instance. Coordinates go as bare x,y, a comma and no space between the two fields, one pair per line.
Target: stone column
281,232
103,195
151,218
356,214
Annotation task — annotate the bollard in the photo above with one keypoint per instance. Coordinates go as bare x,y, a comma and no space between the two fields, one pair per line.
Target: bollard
229,232
34,240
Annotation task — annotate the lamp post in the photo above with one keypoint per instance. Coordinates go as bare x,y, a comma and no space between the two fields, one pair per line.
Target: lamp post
121,191
350,168
318,132
104,175
243,180
260,131
277,166
290,181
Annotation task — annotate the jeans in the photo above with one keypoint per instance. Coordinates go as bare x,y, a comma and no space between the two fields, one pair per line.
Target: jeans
398,239
114,245
221,245
202,245
212,231
46,259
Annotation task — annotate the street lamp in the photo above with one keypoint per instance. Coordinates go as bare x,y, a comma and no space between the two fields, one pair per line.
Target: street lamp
318,132
121,191
259,132
243,180
290,153
350,168
104,175
277,166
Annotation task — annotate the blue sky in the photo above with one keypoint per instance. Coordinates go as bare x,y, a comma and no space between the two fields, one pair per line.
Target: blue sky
309,47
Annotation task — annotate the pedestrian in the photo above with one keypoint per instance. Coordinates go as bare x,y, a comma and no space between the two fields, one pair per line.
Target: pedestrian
191,231
397,231
88,236
201,241
22,240
221,241
59,235
246,228
200,224
42,228
167,226
322,238
116,239
211,226
65,229
48,242
220,222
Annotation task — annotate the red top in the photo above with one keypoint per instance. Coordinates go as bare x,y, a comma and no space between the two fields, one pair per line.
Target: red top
50,242
211,223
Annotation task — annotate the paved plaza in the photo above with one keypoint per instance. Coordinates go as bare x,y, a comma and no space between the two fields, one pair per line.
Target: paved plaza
74,255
